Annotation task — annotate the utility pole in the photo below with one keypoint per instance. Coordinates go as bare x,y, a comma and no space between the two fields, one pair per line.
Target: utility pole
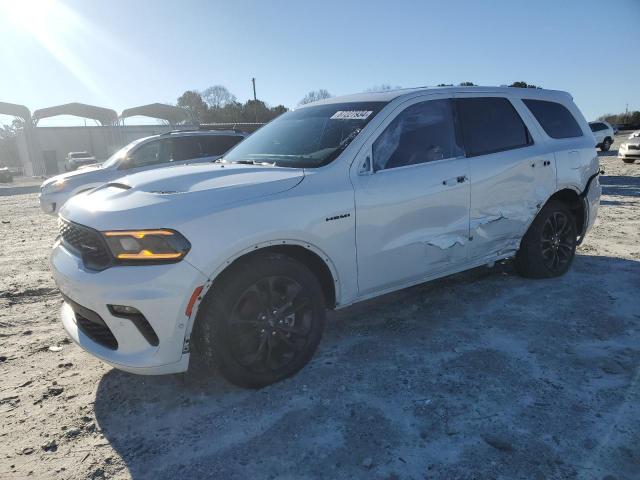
255,99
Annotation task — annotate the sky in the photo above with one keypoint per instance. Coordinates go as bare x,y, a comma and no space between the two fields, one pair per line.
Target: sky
119,54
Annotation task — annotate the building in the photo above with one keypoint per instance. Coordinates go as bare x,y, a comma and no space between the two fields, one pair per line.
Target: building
42,150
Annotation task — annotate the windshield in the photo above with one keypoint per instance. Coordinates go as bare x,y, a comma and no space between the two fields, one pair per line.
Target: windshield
309,137
120,154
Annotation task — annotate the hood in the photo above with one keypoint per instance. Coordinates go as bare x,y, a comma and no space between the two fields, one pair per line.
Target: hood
91,165
171,195
74,175
199,177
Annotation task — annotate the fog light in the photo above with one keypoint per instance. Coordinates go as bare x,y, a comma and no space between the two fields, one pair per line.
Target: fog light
123,310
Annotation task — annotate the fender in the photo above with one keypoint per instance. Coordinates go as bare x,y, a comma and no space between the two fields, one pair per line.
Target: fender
585,192
256,247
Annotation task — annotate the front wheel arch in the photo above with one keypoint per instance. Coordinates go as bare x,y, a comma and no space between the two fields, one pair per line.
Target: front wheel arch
307,253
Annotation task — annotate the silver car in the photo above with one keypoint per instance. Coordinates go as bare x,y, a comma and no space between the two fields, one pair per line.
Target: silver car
173,148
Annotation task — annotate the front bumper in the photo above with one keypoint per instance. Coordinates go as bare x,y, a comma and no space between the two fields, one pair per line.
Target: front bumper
625,152
51,202
160,292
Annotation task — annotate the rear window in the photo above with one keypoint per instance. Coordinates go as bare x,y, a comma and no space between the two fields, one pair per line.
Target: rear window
554,118
491,124
597,127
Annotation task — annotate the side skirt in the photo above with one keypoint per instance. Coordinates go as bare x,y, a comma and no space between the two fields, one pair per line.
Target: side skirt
433,276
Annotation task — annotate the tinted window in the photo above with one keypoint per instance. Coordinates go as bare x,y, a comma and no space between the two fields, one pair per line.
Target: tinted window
185,148
597,127
491,125
151,153
218,144
554,118
308,137
422,133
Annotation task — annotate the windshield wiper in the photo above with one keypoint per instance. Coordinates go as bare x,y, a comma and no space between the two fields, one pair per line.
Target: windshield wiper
250,162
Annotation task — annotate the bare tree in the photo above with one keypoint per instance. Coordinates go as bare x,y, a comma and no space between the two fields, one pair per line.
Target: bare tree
314,96
217,96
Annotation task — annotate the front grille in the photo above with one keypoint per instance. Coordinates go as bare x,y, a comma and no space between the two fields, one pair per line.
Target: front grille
633,147
87,242
96,332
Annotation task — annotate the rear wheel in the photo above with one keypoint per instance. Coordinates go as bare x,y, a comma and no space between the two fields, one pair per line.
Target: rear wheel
606,144
548,247
261,323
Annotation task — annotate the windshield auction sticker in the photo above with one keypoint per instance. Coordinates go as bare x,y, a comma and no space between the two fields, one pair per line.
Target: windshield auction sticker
351,115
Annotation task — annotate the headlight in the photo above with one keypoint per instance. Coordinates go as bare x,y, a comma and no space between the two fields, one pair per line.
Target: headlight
56,186
147,246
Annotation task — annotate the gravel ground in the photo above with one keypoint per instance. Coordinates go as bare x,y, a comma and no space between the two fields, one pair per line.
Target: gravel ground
479,375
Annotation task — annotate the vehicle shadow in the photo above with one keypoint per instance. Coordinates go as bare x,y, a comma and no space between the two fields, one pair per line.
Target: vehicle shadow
609,153
18,190
620,185
399,377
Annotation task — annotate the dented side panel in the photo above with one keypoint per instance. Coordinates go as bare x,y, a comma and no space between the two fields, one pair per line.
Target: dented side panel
410,223
507,191
504,199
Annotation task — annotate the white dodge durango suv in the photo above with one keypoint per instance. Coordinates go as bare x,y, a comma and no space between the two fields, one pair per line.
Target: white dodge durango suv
232,264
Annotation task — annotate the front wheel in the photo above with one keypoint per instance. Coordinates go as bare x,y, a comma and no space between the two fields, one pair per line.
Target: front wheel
548,247
261,323
606,145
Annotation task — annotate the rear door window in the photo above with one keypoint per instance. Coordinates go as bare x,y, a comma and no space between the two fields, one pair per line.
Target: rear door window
218,144
556,120
185,148
491,124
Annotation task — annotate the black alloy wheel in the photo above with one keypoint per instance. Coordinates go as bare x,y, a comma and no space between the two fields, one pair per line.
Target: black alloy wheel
270,324
260,322
558,241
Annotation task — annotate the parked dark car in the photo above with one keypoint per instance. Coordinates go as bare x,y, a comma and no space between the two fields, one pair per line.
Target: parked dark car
5,175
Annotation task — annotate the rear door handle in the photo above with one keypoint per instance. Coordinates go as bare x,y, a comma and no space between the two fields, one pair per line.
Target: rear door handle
455,180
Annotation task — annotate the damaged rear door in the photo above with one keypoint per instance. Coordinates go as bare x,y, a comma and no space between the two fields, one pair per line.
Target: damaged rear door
411,187
503,165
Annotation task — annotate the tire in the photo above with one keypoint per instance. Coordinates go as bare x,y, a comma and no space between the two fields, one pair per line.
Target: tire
261,323
628,160
548,247
605,145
